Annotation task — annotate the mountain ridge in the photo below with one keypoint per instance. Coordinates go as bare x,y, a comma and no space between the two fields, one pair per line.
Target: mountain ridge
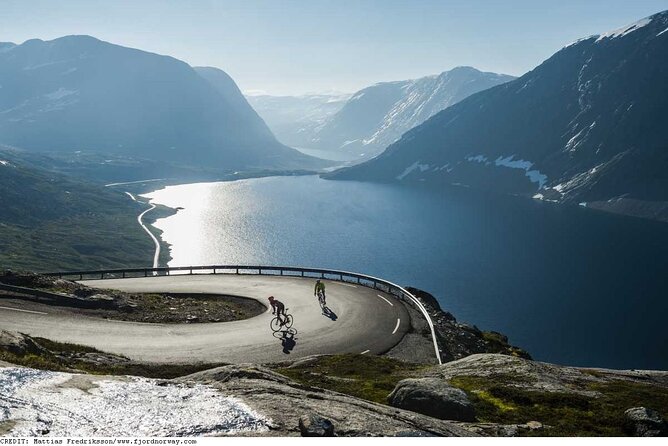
582,127
375,116
81,93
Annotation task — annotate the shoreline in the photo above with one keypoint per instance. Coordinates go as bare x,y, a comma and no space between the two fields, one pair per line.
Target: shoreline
156,255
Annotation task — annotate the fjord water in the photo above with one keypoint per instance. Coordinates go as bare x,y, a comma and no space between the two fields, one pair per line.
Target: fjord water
570,285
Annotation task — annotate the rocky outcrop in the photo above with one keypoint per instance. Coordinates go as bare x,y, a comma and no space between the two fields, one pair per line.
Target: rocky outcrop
542,376
644,422
291,406
16,346
18,343
433,397
315,426
457,340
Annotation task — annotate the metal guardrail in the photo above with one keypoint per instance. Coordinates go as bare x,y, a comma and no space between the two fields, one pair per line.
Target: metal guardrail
288,271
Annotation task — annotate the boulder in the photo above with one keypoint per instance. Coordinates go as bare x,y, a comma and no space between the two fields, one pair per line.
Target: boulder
644,422
18,343
315,426
433,397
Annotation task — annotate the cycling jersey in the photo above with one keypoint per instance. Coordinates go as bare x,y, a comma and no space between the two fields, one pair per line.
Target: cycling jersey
277,305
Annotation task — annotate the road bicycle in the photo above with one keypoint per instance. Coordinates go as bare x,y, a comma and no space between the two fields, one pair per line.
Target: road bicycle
277,324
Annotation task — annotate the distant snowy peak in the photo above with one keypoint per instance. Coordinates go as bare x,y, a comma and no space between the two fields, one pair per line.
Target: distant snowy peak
628,29
294,119
376,116
660,18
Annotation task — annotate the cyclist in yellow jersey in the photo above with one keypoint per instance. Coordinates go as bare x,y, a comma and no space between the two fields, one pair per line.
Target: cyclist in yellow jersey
319,286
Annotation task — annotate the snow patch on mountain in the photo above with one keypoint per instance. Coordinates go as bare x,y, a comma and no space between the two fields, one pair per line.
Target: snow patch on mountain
582,39
69,71
60,93
535,176
411,168
477,158
625,30
379,115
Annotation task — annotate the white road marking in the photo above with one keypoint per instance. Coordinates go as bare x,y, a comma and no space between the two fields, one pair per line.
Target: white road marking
347,284
391,304
365,351
22,311
397,327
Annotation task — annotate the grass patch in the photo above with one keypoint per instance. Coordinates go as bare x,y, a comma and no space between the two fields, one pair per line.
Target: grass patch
57,358
64,347
498,400
368,377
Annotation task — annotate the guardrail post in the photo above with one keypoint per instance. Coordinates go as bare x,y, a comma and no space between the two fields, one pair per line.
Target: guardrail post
259,271
124,274
237,270
214,270
281,272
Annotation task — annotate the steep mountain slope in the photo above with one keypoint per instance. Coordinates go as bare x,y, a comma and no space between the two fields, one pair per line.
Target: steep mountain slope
587,125
229,91
294,119
79,93
49,221
377,116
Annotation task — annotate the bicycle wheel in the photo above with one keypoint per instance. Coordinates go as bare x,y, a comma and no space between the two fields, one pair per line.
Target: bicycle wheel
288,321
275,324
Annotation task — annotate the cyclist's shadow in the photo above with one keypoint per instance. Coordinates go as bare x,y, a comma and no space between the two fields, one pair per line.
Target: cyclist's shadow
288,341
327,312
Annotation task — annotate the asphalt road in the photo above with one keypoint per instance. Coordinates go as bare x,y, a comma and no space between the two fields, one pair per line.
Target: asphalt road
363,320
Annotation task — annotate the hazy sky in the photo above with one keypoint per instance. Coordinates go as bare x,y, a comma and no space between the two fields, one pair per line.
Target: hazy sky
292,47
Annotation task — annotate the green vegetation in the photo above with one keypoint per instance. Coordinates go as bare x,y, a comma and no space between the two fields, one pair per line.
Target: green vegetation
369,377
64,347
498,343
64,357
53,222
500,399
180,308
